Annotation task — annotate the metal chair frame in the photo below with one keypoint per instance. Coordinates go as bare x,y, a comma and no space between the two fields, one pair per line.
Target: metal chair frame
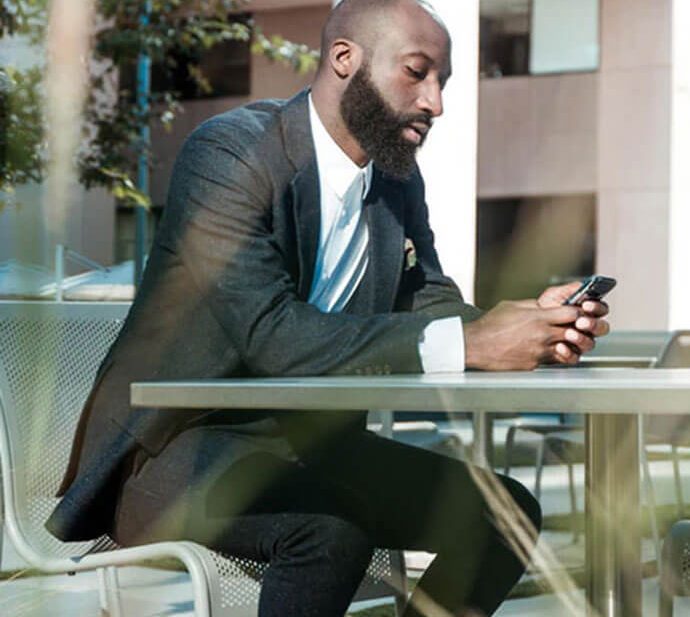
41,395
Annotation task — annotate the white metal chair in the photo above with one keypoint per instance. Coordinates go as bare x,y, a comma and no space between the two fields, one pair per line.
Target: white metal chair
49,353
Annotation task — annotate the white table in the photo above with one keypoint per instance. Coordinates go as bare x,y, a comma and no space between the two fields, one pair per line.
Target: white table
609,396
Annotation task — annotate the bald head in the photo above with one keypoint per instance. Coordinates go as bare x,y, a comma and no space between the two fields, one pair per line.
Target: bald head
384,64
363,21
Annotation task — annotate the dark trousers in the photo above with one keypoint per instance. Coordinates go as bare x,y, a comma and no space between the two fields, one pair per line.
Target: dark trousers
317,518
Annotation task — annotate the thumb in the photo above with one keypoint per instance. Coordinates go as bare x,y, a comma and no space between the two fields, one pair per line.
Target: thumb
555,296
561,315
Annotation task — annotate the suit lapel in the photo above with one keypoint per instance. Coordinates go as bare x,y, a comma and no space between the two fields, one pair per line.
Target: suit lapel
304,188
384,208
296,128
306,199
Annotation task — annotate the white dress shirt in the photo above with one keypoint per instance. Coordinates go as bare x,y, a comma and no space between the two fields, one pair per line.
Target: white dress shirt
343,255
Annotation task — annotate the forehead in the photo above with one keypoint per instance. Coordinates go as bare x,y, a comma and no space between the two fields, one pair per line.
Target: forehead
408,29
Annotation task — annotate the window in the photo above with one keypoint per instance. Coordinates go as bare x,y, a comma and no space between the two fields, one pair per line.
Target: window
526,244
226,67
533,37
565,36
504,37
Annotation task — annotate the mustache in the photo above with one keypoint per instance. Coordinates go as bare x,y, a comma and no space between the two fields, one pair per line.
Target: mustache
417,118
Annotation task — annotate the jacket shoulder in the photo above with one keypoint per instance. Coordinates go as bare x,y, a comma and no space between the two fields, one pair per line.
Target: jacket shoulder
244,129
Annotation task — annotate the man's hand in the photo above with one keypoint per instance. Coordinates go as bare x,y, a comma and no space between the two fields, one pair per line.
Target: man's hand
589,325
521,335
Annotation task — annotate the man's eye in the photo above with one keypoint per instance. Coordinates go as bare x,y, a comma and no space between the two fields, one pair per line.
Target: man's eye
415,73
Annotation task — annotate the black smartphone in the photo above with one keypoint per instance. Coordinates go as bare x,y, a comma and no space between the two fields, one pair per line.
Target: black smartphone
593,288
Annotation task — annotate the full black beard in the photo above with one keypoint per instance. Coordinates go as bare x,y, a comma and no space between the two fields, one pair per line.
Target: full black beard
377,127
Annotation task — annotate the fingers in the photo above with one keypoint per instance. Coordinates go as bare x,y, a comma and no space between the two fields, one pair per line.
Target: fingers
573,339
579,340
563,354
595,308
566,345
592,326
560,353
562,315
588,324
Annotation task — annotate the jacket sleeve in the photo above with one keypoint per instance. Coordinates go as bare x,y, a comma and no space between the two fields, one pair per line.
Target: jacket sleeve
425,289
219,222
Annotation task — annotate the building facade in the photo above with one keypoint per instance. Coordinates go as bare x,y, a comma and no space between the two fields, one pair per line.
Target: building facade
577,134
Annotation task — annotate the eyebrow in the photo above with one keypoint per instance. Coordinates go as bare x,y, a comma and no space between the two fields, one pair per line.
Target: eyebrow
420,53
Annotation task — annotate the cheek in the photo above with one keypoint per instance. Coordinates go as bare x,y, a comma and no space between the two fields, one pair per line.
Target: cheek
400,97
394,87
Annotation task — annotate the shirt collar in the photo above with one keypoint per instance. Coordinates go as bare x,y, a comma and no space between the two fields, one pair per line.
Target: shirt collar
335,168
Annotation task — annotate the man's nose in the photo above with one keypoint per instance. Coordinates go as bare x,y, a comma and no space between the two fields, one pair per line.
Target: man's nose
431,100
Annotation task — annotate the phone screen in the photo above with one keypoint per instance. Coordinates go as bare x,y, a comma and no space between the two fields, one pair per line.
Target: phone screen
592,288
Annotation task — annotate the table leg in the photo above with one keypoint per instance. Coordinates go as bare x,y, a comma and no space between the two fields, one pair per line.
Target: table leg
612,506
482,439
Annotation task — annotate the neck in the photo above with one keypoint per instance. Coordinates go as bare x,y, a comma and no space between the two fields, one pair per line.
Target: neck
327,105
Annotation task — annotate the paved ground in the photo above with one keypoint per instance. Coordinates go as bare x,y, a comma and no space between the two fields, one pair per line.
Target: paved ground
149,593
155,593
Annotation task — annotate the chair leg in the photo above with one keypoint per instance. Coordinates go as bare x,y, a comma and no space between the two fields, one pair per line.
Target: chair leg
109,592
539,468
508,453
651,505
665,603
666,579
2,524
679,484
400,604
400,572
573,502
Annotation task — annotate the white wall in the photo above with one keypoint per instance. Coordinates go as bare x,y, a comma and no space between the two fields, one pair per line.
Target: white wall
449,159
634,160
538,136
679,227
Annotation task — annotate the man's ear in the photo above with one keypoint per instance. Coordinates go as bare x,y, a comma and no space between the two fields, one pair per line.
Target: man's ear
345,58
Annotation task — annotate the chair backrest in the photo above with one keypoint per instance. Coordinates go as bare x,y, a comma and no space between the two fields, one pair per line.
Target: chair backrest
676,353
49,354
671,429
641,348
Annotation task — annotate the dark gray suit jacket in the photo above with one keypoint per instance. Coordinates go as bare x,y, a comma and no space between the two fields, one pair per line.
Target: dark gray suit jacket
226,287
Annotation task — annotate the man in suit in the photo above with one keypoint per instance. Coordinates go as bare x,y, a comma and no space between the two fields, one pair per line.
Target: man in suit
296,242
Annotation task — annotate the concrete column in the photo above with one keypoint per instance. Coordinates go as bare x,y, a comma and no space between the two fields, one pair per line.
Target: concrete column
635,155
679,228
449,159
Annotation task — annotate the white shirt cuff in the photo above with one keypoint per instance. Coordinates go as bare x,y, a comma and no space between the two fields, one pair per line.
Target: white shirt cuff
442,346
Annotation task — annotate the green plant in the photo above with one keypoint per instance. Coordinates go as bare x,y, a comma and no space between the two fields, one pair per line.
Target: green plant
114,116
22,151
